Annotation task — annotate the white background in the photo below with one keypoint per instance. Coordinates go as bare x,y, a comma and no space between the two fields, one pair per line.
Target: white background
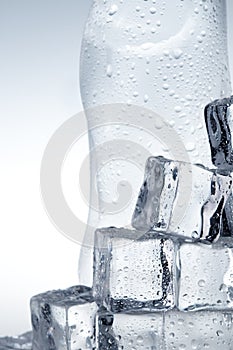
39,90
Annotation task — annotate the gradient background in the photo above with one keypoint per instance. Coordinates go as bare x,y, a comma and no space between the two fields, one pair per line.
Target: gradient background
39,90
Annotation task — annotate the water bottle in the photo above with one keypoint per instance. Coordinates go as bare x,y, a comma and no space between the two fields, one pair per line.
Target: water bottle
148,68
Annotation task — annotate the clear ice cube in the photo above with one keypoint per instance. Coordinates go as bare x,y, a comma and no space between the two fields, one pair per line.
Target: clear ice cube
63,319
200,330
219,124
172,330
182,199
206,276
130,332
22,342
134,272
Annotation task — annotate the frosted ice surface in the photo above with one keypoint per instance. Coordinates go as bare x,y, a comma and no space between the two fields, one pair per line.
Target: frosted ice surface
134,273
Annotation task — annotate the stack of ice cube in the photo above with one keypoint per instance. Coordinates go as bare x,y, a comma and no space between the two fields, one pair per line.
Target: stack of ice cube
168,282
164,284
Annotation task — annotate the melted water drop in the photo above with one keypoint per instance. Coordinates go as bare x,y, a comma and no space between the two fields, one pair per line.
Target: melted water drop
113,10
177,53
109,70
152,10
201,283
178,109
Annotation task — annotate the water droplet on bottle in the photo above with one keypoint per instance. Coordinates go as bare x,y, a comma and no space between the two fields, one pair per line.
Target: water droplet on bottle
194,344
152,10
178,109
140,340
113,10
109,70
177,53
201,283
219,333
182,347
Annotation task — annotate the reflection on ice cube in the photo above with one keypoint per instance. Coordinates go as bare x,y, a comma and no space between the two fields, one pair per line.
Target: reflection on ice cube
132,272
182,199
205,280
63,319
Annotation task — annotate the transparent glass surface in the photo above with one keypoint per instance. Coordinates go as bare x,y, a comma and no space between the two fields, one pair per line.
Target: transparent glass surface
168,57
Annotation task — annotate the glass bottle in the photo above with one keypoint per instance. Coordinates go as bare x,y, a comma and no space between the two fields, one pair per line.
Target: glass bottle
163,57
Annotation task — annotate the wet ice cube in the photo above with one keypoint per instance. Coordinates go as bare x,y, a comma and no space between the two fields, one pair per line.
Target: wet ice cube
200,330
134,272
172,330
206,276
182,199
219,124
22,342
123,331
63,319
154,206
227,226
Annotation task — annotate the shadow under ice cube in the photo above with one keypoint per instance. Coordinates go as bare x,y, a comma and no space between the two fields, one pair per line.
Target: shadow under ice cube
206,276
22,342
182,199
133,273
63,319
124,331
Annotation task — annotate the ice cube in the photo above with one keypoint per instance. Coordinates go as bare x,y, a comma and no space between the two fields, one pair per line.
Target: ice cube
182,199
124,331
22,342
219,124
200,330
63,319
134,272
206,276
172,330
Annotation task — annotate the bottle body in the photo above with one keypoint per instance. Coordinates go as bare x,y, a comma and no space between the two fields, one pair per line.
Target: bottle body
169,58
